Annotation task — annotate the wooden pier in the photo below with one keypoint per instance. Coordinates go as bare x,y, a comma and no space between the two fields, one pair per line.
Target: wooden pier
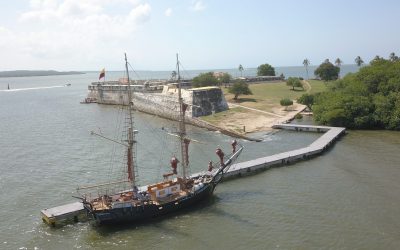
75,211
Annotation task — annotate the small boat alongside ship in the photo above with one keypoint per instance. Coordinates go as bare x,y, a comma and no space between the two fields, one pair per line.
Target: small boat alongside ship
175,192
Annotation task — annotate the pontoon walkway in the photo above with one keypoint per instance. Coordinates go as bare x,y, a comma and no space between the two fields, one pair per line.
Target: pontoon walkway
74,211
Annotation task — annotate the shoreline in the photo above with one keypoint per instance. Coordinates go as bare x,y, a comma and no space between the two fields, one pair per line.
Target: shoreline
253,122
244,123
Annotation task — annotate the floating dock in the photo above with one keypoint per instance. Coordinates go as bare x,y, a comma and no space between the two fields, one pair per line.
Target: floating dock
75,211
331,134
63,214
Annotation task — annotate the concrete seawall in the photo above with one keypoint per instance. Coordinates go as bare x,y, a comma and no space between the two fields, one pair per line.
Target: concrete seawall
158,110
200,101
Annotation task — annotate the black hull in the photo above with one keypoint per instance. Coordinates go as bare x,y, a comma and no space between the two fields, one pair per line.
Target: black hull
142,213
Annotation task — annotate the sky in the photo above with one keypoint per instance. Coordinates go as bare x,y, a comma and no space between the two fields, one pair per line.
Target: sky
207,34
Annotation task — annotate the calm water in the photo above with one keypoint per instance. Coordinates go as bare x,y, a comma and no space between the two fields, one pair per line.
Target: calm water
347,198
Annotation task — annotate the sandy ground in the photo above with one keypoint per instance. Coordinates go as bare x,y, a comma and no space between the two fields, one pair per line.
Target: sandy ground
256,120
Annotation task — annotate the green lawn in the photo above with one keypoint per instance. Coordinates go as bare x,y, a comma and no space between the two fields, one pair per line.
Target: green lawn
317,86
213,119
267,95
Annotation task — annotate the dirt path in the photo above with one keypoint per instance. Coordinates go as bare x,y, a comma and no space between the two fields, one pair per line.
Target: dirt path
256,120
253,109
308,85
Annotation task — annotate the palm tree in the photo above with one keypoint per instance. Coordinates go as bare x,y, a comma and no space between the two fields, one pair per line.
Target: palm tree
376,59
359,61
306,62
173,75
338,62
393,57
241,70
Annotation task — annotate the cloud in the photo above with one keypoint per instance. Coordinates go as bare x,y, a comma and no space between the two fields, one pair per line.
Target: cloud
198,6
82,31
140,14
40,4
6,37
168,12
3,29
49,9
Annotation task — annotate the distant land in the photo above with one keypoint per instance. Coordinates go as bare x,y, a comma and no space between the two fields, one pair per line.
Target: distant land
24,73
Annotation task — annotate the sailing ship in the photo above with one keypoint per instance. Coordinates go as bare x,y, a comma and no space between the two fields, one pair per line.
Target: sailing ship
175,192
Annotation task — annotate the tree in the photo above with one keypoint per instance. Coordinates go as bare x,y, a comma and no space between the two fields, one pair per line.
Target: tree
173,75
225,79
393,57
306,63
327,71
306,99
241,70
205,79
377,59
326,60
265,70
240,88
359,61
286,102
294,82
367,99
338,62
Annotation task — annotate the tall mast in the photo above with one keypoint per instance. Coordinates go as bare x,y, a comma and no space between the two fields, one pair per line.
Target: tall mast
182,130
131,136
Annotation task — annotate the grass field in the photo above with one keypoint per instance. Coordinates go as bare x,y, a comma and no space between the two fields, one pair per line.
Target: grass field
266,96
317,86
215,118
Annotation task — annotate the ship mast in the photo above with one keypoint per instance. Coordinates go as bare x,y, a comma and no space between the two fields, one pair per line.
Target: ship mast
131,136
182,130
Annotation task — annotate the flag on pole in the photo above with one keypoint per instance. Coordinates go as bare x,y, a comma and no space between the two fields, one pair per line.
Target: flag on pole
102,73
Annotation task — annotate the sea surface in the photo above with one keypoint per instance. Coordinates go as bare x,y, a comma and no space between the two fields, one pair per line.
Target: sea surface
347,198
292,71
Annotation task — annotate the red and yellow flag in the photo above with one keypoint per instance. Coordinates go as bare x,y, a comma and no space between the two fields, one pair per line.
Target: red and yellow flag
102,73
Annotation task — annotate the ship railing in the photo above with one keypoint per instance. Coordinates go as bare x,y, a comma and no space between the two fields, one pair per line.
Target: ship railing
98,190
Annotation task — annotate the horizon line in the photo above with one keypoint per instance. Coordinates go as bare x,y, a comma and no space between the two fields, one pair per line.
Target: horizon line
236,68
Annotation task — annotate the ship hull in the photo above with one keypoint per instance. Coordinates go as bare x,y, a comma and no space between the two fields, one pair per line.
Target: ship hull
141,213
